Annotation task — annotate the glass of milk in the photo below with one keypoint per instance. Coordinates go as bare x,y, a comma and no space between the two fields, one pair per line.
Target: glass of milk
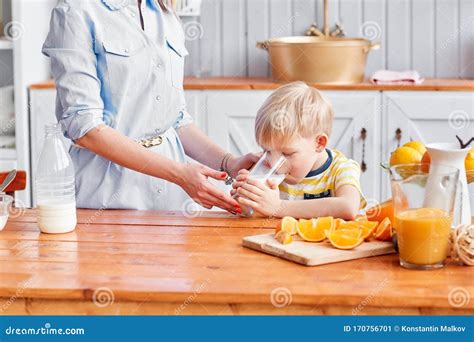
270,167
5,205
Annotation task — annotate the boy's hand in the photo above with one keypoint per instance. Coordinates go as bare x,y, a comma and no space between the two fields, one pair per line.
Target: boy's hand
239,181
264,199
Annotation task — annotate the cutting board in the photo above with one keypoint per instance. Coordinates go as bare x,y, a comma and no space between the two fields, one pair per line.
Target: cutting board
314,253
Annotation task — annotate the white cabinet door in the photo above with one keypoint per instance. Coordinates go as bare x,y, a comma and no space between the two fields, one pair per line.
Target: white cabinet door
231,119
356,133
426,116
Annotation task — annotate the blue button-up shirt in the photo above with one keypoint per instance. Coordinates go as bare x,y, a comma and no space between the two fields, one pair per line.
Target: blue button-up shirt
108,70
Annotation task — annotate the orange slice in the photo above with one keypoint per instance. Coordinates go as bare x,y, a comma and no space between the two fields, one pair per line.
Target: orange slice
368,229
313,230
345,238
349,225
287,224
338,222
384,230
283,237
380,211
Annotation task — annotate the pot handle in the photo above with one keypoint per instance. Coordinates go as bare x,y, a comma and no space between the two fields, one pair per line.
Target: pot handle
263,45
372,46
375,46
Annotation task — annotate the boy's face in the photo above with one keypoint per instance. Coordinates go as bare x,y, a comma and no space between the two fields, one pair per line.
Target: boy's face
302,154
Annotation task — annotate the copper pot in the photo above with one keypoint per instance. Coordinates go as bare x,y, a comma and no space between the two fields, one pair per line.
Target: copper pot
330,60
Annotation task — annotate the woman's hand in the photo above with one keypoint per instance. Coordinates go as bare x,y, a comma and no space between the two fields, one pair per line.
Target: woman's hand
244,162
193,180
264,199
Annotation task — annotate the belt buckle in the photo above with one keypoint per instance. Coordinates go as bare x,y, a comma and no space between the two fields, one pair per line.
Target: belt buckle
152,141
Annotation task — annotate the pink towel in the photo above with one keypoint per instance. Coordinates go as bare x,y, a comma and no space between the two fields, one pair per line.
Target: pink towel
396,77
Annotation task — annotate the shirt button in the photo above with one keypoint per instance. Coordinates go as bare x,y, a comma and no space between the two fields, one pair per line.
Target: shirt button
159,65
158,98
133,15
127,50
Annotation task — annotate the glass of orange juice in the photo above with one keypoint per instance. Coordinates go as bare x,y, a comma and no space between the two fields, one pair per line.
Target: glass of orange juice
423,213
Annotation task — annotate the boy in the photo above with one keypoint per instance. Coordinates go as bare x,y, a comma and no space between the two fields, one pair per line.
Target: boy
296,122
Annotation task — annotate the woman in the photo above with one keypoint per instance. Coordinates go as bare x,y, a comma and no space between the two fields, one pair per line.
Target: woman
118,68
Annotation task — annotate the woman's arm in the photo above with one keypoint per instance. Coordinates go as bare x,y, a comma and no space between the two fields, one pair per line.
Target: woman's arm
114,146
201,148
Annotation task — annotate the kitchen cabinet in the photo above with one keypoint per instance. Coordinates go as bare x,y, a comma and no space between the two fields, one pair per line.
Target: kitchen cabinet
365,123
426,116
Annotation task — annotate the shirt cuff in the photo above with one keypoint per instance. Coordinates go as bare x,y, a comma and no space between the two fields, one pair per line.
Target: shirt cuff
183,119
77,125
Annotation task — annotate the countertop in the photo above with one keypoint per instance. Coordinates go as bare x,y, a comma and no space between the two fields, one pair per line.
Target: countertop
256,83
152,262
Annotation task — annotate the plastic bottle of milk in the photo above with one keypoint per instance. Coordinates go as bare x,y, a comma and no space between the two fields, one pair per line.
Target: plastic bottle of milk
54,185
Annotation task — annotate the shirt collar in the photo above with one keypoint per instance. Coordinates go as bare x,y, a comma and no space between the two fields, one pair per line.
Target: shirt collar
114,5
323,167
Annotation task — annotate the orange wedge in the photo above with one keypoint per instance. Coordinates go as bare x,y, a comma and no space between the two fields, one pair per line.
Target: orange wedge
384,230
367,227
313,230
345,238
380,211
287,224
283,237
338,222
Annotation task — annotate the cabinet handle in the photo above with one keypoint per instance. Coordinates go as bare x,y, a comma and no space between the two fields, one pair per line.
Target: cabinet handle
463,144
363,137
398,136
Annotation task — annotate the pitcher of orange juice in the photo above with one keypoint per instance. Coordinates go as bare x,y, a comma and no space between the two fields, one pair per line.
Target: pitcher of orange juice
423,231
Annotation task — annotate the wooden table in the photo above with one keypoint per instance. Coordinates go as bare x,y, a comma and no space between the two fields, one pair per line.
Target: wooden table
145,262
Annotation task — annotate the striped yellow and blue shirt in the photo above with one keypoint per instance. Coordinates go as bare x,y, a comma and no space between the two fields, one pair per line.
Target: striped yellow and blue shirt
324,181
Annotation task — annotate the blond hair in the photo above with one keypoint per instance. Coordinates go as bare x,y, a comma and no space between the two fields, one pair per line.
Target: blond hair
294,109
